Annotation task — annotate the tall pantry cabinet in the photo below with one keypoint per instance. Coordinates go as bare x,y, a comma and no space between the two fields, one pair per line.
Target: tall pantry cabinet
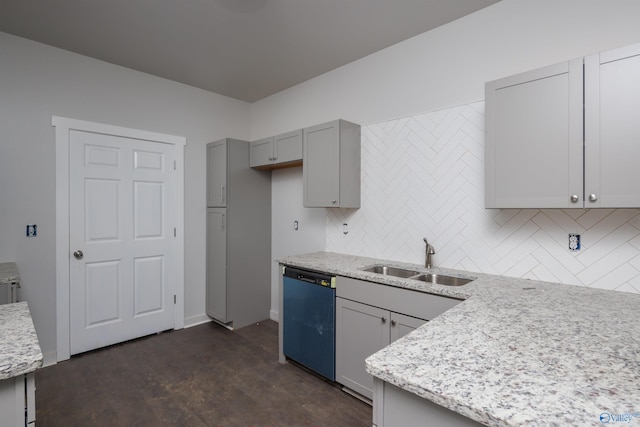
238,288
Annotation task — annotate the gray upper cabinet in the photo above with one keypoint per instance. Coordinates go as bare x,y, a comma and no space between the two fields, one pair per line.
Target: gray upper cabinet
261,152
563,136
331,165
279,151
533,146
612,128
217,174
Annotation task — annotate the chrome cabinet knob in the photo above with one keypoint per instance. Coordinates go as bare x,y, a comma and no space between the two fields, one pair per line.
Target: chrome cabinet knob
78,254
593,197
575,198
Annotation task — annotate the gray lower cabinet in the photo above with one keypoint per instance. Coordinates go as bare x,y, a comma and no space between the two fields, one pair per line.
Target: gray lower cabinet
331,165
393,407
278,151
217,264
238,279
361,331
369,316
17,401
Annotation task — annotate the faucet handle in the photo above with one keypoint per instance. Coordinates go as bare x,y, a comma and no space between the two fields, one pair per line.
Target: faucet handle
430,249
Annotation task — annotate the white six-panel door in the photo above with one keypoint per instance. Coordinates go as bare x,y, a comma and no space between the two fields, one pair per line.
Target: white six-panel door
122,268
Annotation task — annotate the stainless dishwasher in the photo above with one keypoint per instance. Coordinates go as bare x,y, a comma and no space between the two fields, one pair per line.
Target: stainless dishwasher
309,315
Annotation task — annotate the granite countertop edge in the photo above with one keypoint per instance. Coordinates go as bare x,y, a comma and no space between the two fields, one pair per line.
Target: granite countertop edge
20,351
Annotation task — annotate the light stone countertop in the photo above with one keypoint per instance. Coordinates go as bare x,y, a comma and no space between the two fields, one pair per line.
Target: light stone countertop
20,351
516,352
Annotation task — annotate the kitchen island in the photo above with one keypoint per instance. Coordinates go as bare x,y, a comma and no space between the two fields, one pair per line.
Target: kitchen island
515,352
20,356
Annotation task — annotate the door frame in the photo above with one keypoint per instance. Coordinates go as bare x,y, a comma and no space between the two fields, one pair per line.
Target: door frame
63,126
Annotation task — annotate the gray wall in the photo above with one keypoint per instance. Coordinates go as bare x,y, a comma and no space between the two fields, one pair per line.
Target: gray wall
448,66
442,68
37,82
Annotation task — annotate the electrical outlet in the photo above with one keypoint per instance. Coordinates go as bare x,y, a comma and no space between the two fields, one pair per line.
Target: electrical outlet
32,230
345,228
574,242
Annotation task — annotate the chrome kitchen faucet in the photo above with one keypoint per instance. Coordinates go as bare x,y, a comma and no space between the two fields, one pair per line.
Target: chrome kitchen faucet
429,252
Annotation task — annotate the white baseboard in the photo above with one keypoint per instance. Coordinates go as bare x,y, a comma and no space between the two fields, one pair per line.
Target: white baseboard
274,315
196,320
49,358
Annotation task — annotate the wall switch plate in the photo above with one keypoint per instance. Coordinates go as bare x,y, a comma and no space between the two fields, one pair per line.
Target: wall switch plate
574,242
32,230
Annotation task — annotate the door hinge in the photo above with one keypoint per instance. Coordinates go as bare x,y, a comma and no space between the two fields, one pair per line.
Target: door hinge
174,299
174,165
174,232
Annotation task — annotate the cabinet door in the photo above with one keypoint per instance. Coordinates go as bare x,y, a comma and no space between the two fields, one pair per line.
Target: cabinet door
261,152
287,147
217,264
401,325
612,128
361,330
12,401
321,165
217,173
533,147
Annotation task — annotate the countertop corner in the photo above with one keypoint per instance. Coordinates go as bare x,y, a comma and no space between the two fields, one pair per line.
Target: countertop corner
20,351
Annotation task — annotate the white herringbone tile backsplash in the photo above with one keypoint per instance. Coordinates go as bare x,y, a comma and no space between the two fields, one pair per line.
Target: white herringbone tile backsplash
423,176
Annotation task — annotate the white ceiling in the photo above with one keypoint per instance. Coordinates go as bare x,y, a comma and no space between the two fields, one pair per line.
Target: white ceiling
245,49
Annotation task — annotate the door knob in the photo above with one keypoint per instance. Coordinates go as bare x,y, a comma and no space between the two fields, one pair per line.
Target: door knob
78,254
593,198
575,198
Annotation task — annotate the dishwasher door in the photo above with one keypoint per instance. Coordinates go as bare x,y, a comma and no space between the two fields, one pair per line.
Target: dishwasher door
309,314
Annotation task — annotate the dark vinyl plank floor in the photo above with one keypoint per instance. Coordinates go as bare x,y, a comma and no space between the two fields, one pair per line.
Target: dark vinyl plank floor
201,376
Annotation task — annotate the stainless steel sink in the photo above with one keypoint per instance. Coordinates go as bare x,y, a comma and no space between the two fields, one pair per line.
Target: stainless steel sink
440,279
391,271
405,273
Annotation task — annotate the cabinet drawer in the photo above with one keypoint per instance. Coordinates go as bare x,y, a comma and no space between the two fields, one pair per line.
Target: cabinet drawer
412,303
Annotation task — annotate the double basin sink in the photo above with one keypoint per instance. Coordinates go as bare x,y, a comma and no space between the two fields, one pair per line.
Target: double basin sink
437,279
